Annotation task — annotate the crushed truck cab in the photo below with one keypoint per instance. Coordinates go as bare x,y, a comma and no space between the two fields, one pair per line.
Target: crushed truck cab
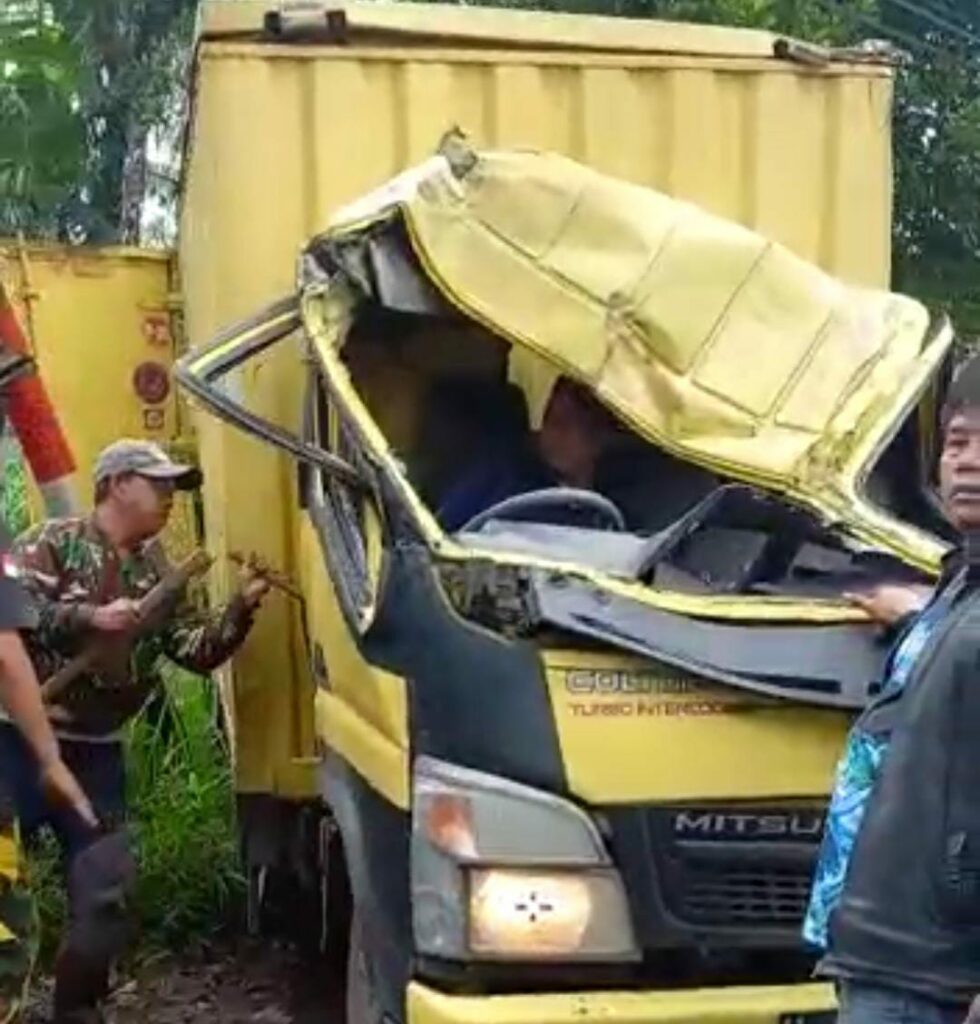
574,757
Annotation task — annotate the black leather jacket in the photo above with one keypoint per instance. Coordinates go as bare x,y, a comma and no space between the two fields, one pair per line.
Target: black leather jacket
909,916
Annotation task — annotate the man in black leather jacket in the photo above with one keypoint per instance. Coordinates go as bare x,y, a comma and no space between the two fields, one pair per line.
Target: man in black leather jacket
903,934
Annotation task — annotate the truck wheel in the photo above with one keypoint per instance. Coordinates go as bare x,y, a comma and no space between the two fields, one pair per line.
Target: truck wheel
362,1000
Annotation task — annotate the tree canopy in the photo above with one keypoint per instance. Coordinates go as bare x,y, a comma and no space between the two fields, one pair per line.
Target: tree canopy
84,84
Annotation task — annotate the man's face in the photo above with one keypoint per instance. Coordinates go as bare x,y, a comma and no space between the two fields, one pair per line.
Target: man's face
571,437
143,503
959,470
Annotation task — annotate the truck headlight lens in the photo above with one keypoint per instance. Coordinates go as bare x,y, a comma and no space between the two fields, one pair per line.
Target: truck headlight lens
536,914
502,871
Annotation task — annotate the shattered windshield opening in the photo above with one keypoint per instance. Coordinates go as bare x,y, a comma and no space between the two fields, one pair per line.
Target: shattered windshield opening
511,455
904,479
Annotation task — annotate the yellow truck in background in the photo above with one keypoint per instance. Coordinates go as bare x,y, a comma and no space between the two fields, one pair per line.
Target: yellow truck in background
103,325
712,819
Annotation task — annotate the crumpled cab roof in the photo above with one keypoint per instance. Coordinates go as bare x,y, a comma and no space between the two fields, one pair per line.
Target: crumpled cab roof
708,339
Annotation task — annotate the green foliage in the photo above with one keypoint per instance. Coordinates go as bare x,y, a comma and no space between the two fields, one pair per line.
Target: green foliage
810,19
183,798
937,141
135,54
15,512
83,83
42,136
48,889
182,804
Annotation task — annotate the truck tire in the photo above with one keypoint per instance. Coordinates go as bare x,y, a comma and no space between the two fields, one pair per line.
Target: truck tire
363,1006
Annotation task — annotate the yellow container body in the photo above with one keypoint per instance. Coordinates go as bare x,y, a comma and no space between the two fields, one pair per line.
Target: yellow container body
93,317
284,132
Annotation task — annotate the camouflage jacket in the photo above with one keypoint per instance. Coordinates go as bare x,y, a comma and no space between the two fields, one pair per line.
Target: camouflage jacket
70,568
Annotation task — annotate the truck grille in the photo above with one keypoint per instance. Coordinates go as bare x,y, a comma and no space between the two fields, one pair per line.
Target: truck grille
728,894
737,865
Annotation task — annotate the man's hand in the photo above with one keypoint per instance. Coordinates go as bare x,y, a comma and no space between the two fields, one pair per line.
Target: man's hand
62,788
253,582
116,617
889,602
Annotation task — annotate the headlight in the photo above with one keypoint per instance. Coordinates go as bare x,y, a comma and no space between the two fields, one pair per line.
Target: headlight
502,871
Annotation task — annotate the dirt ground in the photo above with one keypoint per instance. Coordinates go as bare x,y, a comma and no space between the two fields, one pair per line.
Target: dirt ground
225,984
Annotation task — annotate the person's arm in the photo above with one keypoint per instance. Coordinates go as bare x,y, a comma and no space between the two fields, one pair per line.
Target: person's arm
62,618
20,692
20,695
201,642
890,603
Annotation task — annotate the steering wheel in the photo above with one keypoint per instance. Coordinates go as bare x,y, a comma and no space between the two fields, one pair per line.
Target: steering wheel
586,506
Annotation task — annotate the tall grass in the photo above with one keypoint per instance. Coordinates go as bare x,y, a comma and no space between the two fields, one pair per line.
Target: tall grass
182,814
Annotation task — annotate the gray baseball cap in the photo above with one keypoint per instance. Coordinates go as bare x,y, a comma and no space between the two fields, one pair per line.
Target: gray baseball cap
144,458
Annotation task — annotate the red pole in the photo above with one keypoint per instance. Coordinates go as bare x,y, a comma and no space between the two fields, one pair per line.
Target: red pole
37,426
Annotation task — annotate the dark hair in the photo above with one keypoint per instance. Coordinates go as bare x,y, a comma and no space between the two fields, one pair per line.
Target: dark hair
600,419
964,391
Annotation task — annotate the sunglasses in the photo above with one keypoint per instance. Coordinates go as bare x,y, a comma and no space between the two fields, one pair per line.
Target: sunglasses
161,486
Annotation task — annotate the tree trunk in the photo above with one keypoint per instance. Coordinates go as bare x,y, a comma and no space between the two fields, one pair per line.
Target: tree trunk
134,183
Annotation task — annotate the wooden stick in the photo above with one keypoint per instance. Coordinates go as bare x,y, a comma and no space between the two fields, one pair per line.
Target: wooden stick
152,606
278,580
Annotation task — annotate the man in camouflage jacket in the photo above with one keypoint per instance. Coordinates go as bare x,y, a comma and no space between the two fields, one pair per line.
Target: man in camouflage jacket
87,576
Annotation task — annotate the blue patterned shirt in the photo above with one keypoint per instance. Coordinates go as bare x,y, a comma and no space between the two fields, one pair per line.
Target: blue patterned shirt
856,774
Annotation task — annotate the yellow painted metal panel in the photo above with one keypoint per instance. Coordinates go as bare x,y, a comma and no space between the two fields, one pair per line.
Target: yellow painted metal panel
728,1005
283,134
239,235
801,157
647,713
373,755
375,696
488,25
93,315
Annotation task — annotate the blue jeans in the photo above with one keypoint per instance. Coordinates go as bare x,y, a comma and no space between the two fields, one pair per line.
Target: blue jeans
862,1003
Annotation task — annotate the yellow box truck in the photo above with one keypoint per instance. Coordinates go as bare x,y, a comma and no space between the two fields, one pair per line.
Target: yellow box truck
510,790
